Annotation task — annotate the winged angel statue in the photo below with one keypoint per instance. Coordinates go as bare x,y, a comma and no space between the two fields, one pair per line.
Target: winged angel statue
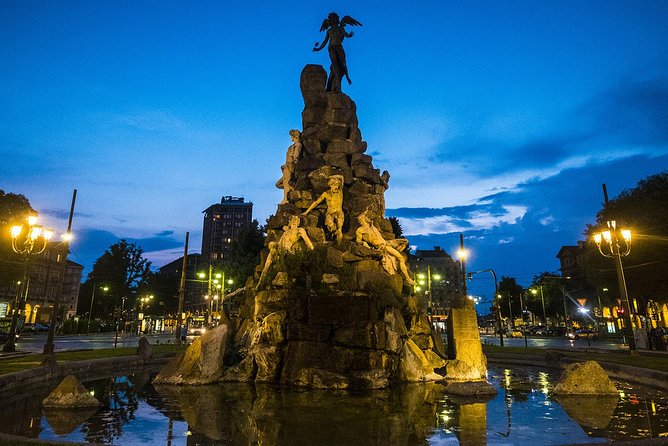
335,35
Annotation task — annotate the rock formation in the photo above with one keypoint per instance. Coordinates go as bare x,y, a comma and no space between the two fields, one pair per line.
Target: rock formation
330,304
585,378
334,313
70,394
201,363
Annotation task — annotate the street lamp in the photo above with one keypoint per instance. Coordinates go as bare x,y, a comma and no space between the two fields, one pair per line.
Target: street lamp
27,240
143,302
497,304
615,243
542,299
92,299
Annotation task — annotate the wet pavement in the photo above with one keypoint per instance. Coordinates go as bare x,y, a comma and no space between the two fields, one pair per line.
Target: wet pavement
34,343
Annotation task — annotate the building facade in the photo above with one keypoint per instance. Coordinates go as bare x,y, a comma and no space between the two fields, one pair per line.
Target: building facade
48,277
437,277
222,223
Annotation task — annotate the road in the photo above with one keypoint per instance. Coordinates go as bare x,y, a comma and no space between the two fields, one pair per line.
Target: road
34,343
555,342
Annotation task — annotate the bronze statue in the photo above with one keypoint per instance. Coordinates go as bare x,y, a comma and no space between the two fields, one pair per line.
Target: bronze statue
335,35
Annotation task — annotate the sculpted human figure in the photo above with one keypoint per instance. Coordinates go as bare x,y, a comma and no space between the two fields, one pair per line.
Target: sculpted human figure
368,235
335,35
289,242
291,158
334,200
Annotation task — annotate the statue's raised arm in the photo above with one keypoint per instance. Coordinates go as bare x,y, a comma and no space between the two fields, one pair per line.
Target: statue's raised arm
335,34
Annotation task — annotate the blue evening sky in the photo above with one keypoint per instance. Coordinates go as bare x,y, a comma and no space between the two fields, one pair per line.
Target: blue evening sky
498,119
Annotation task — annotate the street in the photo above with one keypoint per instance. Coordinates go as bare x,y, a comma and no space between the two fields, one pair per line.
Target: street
34,343
560,342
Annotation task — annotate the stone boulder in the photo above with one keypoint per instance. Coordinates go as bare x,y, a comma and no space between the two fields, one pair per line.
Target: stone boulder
201,363
414,365
144,349
70,394
585,378
478,389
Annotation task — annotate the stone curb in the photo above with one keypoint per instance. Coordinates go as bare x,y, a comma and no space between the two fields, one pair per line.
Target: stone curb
81,369
638,375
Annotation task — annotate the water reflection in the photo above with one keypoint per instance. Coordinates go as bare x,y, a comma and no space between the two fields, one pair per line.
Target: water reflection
523,412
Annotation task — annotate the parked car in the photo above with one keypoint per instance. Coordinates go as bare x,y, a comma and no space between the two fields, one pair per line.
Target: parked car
557,331
35,328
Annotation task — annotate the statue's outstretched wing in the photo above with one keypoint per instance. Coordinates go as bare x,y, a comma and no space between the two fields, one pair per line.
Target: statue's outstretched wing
347,20
325,25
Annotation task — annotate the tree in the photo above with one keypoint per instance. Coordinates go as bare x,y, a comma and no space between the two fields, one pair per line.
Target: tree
550,284
245,252
510,292
14,208
123,269
643,210
396,227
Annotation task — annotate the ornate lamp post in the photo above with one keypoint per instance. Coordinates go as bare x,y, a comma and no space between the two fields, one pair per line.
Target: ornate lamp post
615,243
27,240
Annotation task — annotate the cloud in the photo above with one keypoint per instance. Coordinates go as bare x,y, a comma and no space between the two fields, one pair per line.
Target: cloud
63,214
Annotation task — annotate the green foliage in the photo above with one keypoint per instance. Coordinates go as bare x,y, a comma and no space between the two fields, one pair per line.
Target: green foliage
510,292
123,269
305,265
396,227
14,208
245,252
642,209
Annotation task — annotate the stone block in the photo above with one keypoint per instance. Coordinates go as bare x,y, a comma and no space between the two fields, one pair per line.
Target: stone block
414,365
320,379
395,321
312,84
281,280
317,235
267,361
70,393
342,147
327,132
360,158
201,363
144,349
338,160
330,279
338,310
355,336
340,100
297,331
312,146
309,163
342,115
585,378
334,257
313,115
271,329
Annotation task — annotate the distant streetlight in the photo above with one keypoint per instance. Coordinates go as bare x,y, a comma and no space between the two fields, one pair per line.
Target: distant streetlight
92,299
542,299
27,240
497,304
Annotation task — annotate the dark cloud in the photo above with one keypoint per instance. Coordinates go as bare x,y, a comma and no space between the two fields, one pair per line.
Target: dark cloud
557,210
635,111
632,113
164,233
63,213
458,214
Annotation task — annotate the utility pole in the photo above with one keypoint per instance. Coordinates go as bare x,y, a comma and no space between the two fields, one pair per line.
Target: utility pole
182,291
49,347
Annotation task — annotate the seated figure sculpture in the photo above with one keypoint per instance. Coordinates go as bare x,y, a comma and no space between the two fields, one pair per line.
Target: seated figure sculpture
369,236
289,242
334,199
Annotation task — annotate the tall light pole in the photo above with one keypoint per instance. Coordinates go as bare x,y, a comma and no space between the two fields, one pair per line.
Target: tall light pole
615,243
49,347
497,304
462,254
542,299
92,299
27,240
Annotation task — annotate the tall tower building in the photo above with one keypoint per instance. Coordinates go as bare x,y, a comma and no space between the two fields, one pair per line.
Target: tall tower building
222,222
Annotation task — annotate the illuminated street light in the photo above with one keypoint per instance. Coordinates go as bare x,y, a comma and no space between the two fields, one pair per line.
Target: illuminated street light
27,240
615,243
